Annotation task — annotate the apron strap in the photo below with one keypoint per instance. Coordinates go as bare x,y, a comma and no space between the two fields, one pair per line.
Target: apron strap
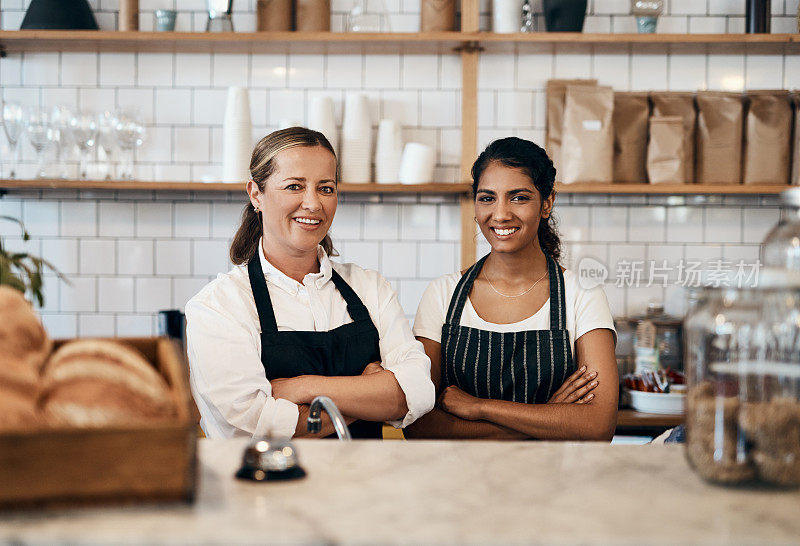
558,300
355,307
266,315
462,291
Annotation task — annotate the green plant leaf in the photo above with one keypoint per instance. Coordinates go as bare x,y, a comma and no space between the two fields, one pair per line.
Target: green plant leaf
23,271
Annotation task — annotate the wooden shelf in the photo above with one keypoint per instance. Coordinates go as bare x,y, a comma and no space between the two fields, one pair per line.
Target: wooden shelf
16,41
438,188
657,38
434,188
628,418
671,189
228,42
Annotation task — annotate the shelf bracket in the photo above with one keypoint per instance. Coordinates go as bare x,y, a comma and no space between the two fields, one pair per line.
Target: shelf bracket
468,47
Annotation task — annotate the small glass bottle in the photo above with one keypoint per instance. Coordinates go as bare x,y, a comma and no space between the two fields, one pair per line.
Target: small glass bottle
646,13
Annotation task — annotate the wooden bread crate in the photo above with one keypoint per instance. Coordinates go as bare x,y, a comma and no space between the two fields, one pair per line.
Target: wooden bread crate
65,465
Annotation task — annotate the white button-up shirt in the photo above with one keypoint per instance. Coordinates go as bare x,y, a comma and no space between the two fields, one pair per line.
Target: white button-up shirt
227,377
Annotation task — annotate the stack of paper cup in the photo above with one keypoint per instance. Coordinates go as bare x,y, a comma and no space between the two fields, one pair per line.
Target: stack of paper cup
237,140
356,156
388,152
322,119
506,16
417,164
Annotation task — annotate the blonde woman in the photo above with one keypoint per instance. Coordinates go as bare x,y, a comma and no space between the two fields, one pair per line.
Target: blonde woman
287,324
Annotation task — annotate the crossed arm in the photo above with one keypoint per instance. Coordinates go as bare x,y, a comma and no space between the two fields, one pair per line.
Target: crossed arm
375,395
584,408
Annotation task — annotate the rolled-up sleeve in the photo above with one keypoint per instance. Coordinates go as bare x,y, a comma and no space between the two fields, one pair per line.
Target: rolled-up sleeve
227,377
404,356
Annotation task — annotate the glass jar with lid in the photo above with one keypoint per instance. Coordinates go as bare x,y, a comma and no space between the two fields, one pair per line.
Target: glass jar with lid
742,358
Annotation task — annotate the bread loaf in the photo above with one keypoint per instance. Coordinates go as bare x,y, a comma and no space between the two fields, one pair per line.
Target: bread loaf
95,383
18,407
24,345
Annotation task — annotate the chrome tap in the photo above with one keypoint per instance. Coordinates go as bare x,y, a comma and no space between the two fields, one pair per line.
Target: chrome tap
314,422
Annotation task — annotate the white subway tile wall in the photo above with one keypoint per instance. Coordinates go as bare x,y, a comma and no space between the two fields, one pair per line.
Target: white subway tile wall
127,279
127,255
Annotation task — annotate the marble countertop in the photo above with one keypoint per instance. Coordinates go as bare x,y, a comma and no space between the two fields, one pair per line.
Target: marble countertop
425,492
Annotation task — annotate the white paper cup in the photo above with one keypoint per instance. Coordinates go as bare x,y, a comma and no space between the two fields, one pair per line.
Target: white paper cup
417,164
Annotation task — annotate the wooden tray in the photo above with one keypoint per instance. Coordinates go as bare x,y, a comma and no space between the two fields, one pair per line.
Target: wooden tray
67,465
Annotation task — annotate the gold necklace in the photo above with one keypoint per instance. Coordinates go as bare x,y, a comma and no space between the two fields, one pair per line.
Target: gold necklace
506,295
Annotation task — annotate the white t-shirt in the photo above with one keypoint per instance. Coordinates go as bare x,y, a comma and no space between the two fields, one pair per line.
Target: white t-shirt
587,310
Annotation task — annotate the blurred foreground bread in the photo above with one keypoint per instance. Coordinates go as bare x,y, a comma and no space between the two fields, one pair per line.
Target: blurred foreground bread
95,383
24,347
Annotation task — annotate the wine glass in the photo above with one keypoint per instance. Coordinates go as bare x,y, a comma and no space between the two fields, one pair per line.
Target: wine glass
40,135
59,120
130,135
13,124
106,139
84,130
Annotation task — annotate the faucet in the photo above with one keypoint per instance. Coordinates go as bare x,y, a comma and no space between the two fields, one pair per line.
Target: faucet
314,422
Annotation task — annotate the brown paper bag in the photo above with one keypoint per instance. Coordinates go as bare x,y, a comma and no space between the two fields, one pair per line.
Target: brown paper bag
554,117
720,119
313,15
795,180
437,15
587,145
274,15
671,103
768,138
665,159
631,111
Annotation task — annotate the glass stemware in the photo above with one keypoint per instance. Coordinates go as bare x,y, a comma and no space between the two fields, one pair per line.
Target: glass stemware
130,135
40,135
84,131
13,124
360,19
106,140
59,121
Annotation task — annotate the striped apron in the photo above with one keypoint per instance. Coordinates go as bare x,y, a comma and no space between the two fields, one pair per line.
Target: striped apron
527,366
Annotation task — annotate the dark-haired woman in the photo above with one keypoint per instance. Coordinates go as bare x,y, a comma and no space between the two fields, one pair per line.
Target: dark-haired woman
287,324
518,348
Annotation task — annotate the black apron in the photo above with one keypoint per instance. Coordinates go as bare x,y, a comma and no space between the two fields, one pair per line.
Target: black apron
527,366
345,350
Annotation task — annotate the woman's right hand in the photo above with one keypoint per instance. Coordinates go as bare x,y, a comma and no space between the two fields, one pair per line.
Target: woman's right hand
576,389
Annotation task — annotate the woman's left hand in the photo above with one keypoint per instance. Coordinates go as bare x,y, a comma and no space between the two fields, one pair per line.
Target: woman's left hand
300,389
460,404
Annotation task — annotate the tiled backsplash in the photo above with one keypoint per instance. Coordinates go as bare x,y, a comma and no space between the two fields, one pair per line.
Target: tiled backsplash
129,254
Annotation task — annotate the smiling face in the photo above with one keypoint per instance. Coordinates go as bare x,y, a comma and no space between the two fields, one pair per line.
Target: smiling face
299,200
508,208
